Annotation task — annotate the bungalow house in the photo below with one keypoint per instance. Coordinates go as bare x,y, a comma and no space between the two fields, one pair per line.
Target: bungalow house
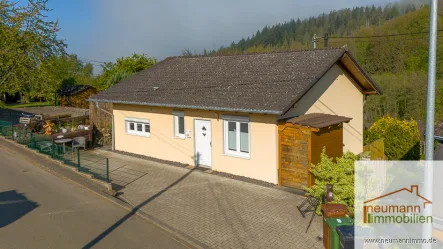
225,112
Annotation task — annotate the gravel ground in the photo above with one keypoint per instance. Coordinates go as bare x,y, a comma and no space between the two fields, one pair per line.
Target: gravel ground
13,115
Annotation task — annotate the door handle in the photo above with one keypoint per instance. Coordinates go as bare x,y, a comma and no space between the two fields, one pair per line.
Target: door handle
210,143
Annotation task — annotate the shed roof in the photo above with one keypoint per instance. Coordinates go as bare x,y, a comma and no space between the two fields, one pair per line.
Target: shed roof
318,120
267,83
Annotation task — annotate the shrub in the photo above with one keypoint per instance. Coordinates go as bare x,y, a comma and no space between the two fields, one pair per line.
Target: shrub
340,174
401,138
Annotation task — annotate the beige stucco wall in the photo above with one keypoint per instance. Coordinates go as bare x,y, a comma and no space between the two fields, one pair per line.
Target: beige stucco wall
335,93
263,162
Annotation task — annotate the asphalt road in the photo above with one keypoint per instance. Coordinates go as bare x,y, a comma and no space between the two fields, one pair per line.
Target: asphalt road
438,153
41,210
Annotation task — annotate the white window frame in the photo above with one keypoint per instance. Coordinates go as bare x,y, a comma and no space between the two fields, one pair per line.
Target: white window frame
178,114
137,121
237,120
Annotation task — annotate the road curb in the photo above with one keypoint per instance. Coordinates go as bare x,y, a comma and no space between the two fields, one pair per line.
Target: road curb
106,193
108,186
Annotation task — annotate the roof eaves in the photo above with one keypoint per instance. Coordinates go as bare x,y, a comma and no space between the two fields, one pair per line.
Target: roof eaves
273,112
370,80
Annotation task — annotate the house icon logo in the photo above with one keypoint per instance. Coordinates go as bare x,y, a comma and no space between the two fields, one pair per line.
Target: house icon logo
385,209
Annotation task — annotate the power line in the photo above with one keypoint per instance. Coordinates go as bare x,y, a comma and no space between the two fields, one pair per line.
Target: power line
88,62
83,58
381,36
382,41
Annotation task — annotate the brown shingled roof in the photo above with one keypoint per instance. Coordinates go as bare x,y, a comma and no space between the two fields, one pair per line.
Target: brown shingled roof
257,83
318,120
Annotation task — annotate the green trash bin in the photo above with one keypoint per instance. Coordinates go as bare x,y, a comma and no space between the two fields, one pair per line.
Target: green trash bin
333,223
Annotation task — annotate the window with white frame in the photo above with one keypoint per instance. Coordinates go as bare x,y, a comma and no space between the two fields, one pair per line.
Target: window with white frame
179,124
139,127
237,136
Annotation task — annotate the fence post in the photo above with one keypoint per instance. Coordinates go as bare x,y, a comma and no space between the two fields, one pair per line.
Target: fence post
78,159
30,139
107,169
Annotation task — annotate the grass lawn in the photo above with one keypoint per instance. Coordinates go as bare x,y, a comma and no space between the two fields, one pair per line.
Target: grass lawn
32,104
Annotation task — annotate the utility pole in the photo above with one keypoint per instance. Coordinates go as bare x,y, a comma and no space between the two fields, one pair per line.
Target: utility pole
326,38
314,40
430,111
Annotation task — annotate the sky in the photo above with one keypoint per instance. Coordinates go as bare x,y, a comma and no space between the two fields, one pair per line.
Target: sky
103,30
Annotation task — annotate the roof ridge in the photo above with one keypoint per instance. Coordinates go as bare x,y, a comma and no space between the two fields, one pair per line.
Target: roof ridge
258,53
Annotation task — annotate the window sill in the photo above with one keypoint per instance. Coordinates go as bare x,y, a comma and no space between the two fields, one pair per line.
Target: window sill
138,135
248,157
182,138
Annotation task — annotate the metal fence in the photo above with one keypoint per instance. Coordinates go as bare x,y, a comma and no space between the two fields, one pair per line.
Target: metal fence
6,129
85,161
93,164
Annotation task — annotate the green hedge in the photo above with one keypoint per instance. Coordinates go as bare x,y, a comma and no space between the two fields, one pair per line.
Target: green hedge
401,138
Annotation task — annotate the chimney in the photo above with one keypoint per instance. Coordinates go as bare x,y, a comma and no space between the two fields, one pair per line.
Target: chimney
414,189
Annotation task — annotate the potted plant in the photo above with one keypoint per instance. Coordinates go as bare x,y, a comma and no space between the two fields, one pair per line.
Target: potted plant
73,127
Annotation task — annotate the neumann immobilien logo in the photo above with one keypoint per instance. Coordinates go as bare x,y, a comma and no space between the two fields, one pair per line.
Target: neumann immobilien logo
389,213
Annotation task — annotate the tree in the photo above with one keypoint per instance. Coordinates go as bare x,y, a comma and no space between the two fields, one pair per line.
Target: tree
28,41
122,68
187,52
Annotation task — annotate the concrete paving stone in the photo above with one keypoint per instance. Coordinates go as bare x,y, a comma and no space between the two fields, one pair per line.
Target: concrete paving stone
217,211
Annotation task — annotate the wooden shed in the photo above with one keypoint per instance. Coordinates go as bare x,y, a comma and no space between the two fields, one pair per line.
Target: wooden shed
76,95
301,141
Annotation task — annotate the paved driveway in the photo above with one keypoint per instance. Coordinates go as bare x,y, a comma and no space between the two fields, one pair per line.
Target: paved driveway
215,211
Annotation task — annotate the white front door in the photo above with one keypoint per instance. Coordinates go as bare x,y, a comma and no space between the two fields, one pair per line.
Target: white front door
203,143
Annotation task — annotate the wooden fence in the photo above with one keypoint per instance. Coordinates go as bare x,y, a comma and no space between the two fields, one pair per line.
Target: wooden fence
377,150
102,122
101,119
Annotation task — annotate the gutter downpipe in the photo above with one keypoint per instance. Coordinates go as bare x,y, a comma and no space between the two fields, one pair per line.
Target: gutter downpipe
112,115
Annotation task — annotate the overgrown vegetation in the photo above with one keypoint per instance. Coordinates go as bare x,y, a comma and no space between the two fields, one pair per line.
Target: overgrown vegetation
340,174
34,63
401,138
298,33
28,41
123,68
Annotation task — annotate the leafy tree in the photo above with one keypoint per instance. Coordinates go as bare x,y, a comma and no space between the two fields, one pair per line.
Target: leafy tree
122,68
27,42
60,70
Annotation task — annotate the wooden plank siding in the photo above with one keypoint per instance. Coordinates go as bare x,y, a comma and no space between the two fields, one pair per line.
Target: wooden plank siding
330,137
101,119
377,149
79,100
102,123
294,155
300,147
